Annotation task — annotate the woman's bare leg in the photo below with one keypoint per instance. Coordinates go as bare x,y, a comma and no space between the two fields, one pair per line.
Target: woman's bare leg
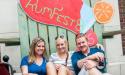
70,72
62,70
51,70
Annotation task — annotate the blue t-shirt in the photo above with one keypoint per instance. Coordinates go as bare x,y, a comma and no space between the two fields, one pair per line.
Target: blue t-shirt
34,68
79,55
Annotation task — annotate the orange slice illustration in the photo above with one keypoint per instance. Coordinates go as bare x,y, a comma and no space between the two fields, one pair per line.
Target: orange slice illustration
103,12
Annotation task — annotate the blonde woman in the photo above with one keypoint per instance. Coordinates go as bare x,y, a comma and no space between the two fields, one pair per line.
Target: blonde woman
62,58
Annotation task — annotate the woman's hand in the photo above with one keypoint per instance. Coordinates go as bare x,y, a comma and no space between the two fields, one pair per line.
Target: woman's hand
99,46
58,66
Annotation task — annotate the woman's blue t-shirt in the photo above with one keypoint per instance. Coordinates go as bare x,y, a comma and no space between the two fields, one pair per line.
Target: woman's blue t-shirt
34,68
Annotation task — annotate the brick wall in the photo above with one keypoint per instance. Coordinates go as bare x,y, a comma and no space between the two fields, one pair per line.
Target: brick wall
122,20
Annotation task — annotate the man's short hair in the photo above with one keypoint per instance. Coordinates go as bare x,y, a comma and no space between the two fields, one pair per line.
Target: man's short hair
79,35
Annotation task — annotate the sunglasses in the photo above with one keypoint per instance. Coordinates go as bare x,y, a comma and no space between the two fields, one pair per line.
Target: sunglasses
79,34
61,36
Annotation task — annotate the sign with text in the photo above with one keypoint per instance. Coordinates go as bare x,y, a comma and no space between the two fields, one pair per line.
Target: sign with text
63,13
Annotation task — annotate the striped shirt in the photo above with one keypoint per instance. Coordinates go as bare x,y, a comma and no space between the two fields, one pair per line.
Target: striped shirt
57,60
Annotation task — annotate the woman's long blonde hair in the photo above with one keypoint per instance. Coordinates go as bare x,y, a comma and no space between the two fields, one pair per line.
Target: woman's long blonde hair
66,43
34,43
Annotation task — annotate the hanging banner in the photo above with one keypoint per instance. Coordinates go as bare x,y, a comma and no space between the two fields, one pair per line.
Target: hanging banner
63,13
92,38
87,18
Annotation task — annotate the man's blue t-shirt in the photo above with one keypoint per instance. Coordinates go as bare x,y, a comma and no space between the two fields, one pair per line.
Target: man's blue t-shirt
34,68
79,55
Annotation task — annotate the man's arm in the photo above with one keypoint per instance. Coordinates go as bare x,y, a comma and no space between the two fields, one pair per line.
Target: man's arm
81,62
97,57
87,63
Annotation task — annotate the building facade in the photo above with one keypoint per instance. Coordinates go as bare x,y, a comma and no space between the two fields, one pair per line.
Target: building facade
114,47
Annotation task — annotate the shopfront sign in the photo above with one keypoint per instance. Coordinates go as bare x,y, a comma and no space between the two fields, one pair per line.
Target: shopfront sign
63,13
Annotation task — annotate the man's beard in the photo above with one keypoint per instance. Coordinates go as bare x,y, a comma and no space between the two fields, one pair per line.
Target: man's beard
84,48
